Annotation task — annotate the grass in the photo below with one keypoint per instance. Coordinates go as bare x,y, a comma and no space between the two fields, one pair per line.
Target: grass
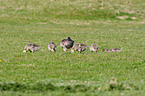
72,74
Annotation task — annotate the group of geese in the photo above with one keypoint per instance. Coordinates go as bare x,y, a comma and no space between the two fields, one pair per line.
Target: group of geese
68,44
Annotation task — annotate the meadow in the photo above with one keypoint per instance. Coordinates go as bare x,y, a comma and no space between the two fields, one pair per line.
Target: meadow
109,24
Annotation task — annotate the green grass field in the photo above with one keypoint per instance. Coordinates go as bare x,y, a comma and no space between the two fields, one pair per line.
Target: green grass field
109,24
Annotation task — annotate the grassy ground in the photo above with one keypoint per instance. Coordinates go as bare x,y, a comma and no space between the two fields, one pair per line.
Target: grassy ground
86,22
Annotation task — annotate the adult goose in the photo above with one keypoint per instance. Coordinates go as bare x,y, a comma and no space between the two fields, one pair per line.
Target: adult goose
66,44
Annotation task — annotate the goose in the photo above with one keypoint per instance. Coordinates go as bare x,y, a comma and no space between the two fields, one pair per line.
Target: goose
94,48
31,47
79,47
66,44
52,47
112,50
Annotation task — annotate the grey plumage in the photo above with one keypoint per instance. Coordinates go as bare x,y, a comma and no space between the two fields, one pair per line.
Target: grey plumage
52,47
79,47
112,50
31,47
67,43
94,48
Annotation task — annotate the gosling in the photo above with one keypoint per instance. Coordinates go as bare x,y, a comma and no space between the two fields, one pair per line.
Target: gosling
31,47
112,50
79,47
52,47
94,48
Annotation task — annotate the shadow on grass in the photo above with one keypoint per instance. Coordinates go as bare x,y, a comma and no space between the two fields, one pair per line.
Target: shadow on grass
43,86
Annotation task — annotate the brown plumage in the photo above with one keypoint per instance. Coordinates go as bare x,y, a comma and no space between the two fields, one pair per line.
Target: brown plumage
31,47
52,47
112,50
79,47
66,43
94,48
